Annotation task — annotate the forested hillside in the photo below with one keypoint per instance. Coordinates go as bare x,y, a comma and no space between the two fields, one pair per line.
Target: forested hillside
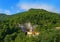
48,26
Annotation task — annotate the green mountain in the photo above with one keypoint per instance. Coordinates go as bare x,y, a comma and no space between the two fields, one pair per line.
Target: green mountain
48,26
38,16
3,17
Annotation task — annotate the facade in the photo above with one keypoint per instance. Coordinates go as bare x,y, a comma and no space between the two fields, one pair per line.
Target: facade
33,34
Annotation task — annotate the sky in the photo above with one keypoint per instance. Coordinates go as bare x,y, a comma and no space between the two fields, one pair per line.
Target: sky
10,7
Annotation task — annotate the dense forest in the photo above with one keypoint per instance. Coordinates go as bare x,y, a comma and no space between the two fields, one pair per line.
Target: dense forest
48,26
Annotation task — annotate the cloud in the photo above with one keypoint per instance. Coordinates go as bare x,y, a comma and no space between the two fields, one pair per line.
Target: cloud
41,6
48,7
5,11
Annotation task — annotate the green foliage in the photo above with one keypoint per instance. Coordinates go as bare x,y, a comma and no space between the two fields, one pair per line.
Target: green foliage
46,21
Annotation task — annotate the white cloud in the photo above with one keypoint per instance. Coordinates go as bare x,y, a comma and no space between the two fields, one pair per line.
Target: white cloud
5,11
27,6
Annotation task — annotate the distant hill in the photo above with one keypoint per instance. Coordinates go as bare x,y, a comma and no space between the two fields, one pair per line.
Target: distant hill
3,17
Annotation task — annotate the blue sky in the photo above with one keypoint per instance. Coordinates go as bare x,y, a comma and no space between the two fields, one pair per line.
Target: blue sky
14,6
